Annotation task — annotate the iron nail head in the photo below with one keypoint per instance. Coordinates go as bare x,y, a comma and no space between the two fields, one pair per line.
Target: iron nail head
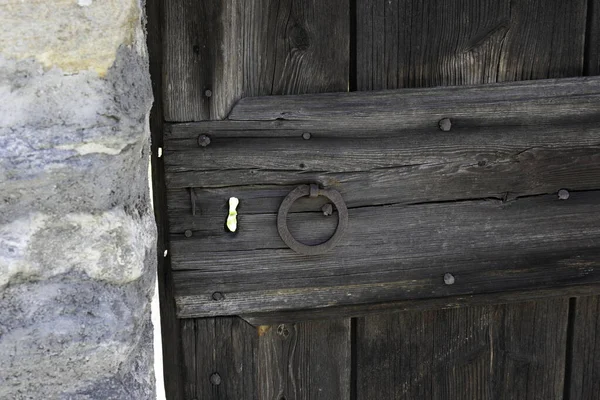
217,296
203,140
563,194
306,135
448,279
188,233
445,124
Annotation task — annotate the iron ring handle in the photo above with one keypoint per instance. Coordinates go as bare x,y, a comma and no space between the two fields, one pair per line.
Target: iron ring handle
313,191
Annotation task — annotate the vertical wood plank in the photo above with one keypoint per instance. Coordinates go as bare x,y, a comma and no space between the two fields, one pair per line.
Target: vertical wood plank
301,47
585,355
247,48
170,325
473,353
584,363
219,51
188,344
304,361
411,43
592,61
510,351
220,358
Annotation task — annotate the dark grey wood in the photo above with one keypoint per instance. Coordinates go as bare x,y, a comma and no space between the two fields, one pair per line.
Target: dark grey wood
440,303
245,48
393,253
592,61
405,43
521,103
491,352
583,380
411,43
219,356
250,48
305,361
170,326
585,355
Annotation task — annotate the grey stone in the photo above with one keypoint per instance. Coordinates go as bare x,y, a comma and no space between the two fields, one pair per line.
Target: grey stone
65,335
77,234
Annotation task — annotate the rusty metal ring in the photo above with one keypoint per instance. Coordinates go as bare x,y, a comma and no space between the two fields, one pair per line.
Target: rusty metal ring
312,191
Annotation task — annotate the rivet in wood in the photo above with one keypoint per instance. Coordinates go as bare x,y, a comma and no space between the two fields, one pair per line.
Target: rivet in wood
445,124
563,194
208,93
217,296
188,233
449,279
215,379
203,140
306,135
327,209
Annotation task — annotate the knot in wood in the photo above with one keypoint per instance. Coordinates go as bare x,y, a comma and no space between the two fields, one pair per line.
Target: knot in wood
299,38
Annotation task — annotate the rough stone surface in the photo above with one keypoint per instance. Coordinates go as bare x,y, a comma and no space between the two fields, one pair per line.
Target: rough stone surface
77,235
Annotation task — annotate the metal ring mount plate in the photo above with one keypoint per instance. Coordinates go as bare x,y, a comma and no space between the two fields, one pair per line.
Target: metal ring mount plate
312,191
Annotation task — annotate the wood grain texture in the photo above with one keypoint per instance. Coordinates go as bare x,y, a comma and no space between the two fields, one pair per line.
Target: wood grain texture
592,59
393,253
584,363
446,197
411,43
585,355
250,48
474,353
219,347
407,44
309,360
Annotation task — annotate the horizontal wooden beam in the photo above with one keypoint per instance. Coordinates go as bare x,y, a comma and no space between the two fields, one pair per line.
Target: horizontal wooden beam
392,253
440,303
447,180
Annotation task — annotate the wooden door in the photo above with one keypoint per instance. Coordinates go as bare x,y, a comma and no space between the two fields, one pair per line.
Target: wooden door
520,337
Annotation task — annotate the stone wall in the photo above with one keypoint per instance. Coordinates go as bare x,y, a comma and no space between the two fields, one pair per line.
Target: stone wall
77,234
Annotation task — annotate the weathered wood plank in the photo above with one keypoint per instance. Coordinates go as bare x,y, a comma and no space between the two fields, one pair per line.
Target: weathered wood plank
394,253
521,103
405,43
584,376
440,303
219,358
305,361
245,48
583,380
592,61
473,353
219,51
411,43
414,231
